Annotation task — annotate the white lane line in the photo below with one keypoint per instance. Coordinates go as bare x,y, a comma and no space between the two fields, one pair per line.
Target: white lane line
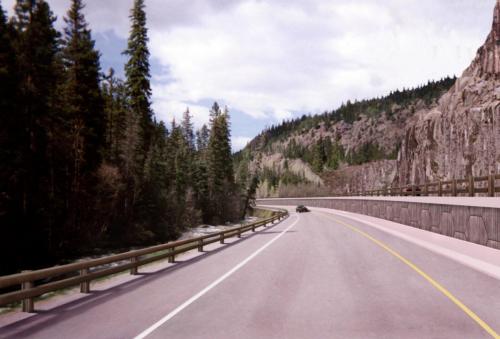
188,302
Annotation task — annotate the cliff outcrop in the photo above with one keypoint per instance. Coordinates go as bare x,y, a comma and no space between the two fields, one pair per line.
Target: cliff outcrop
461,136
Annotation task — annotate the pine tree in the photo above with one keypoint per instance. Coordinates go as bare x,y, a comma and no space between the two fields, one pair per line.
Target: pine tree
202,136
84,103
220,165
137,71
225,144
115,107
188,145
29,171
83,108
9,147
318,156
187,129
8,89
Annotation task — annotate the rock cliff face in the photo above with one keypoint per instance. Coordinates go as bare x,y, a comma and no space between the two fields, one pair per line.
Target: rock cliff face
461,136
369,176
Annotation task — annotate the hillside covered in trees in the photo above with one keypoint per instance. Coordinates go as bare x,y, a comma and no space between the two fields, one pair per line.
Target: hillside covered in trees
314,153
83,162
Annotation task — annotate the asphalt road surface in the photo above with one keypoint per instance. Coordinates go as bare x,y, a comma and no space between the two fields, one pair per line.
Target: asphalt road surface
315,275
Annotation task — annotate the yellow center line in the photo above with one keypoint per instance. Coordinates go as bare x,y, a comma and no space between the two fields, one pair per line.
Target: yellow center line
433,282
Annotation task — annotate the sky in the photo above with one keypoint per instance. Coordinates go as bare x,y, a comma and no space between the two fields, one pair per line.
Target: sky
269,60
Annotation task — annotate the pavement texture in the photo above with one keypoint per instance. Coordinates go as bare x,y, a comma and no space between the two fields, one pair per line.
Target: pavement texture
315,275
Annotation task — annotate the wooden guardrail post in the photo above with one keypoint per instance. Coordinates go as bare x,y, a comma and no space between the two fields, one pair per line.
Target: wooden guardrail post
222,238
171,258
413,190
28,303
239,233
454,187
84,285
440,188
471,186
426,189
30,290
491,186
134,270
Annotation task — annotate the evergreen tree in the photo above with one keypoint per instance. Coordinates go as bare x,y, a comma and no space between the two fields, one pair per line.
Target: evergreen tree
84,103
220,165
8,90
202,136
84,115
187,130
28,172
225,144
115,107
137,71
10,202
318,161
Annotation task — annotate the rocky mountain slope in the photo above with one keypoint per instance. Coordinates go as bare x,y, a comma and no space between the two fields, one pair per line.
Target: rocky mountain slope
443,130
461,136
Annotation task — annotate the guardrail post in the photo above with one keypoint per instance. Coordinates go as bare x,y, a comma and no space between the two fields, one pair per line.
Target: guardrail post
222,238
471,186
426,189
413,190
200,245
454,187
239,233
440,188
491,186
253,228
171,258
29,303
84,285
134,269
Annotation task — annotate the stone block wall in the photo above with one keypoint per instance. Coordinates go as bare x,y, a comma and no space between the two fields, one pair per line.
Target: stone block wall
480,225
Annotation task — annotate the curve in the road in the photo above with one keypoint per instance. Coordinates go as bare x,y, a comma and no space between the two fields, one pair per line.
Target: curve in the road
433,282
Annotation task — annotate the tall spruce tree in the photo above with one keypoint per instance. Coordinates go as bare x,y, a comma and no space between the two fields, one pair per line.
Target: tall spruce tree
202,136
8,89
28,170
84,103
9,148
137,71
188,129
220,164
115,107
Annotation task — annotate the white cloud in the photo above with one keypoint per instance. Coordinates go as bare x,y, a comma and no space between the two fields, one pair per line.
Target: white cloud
239,142
268,58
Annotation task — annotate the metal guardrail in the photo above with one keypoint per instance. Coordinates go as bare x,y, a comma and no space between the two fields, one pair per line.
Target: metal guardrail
470,187
27,279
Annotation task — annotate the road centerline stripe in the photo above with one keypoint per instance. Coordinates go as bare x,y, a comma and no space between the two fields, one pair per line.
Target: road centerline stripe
188,302
433,282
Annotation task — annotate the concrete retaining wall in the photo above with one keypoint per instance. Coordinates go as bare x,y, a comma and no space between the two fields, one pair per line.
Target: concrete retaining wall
480,225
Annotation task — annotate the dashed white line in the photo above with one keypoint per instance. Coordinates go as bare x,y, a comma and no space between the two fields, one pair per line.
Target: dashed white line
188,302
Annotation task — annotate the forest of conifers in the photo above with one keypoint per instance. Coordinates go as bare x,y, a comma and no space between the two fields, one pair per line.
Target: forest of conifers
84,165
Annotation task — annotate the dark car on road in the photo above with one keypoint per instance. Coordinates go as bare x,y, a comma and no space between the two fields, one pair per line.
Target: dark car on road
301,209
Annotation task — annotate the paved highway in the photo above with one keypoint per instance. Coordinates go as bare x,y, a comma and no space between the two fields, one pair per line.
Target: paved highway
315,275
